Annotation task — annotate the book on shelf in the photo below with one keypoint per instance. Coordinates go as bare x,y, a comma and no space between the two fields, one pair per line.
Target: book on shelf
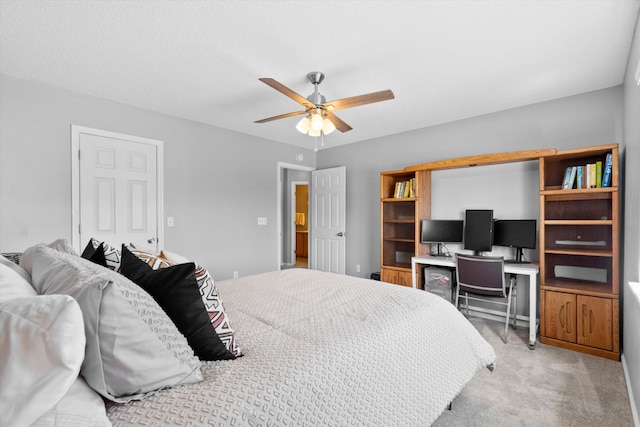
405,189
592,172
598,174
567,178
572,179
579,177
606,174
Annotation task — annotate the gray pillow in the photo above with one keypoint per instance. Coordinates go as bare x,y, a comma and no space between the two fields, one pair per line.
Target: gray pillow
133,348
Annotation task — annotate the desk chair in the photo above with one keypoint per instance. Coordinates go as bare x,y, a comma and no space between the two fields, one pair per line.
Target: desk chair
484,276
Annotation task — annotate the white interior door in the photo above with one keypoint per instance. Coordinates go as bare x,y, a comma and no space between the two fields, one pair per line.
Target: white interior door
119,190
328,219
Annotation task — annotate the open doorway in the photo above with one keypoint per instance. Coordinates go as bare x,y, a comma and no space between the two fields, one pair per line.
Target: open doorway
300,224
287,228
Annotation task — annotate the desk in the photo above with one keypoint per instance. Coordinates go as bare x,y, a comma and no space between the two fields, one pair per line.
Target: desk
529,270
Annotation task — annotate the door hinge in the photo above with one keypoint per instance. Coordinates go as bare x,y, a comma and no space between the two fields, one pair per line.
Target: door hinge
78,154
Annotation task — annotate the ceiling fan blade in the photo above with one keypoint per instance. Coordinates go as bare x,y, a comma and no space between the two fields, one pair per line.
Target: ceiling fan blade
286,91
281,116
337,122
355,101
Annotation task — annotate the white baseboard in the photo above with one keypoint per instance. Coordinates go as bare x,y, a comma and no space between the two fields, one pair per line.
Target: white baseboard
632,401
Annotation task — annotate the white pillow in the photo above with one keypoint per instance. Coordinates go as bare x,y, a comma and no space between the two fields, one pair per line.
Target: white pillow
133,348
41,350
14,281
80,407
63,245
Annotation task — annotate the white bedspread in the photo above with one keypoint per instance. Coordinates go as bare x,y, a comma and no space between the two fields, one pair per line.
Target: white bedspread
325,350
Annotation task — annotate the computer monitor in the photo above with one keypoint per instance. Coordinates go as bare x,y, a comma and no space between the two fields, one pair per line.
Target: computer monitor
441,231
478,230
515,233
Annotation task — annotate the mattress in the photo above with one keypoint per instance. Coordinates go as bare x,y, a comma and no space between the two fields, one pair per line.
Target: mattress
322,349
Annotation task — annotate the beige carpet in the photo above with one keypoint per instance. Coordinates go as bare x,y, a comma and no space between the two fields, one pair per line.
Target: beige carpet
548,386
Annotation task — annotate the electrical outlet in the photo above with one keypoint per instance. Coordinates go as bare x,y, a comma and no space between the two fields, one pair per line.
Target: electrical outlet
262,220
357,268
235,274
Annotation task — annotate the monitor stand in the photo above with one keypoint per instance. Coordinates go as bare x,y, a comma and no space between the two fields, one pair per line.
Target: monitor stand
519,257
439,252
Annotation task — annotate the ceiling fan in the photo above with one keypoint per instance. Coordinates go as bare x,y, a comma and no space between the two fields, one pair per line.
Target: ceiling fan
319,118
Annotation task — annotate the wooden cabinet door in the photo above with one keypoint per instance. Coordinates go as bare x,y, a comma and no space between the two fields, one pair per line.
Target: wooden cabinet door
389,276
560,316
595,322
404,278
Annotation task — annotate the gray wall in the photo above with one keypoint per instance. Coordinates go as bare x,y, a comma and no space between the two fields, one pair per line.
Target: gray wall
217,182
631,300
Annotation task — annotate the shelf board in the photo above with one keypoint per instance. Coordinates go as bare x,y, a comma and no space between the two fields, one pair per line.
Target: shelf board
398,199
393,239
603,290
400,221
604,254
577,193
578,222
398,266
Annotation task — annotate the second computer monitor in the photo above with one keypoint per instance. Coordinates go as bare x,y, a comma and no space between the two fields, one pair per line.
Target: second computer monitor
515,233
441,231
478,230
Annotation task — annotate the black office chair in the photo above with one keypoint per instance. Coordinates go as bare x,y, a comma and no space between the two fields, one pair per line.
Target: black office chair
484,276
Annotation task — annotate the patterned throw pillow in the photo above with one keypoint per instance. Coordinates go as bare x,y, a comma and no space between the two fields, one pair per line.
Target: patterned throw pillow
94,254
152,260
112,255
217,315
176,290
210,297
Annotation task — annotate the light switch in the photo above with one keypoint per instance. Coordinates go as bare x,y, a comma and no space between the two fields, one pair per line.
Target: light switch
170,221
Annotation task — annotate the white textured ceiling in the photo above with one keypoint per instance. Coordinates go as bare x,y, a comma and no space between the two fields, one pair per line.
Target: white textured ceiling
201,60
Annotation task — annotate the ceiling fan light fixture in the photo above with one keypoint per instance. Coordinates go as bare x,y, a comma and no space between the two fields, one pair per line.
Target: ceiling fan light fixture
316,121
328,126
304,125
313,132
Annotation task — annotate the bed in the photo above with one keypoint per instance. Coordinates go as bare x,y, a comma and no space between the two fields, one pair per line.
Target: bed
323,349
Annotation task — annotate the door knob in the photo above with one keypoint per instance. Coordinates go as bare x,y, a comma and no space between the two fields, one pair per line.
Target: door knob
152,240
341,234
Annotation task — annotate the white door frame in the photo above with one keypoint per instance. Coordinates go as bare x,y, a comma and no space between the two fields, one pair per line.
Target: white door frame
76,131
292,202
280,168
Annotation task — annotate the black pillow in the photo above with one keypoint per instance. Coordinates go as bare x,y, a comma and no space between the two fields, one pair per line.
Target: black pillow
95,254
175,289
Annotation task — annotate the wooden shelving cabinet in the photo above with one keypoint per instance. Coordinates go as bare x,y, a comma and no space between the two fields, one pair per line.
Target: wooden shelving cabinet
400,224
579,257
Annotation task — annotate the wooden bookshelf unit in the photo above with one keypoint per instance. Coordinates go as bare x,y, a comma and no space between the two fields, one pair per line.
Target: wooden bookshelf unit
400,224
579,257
